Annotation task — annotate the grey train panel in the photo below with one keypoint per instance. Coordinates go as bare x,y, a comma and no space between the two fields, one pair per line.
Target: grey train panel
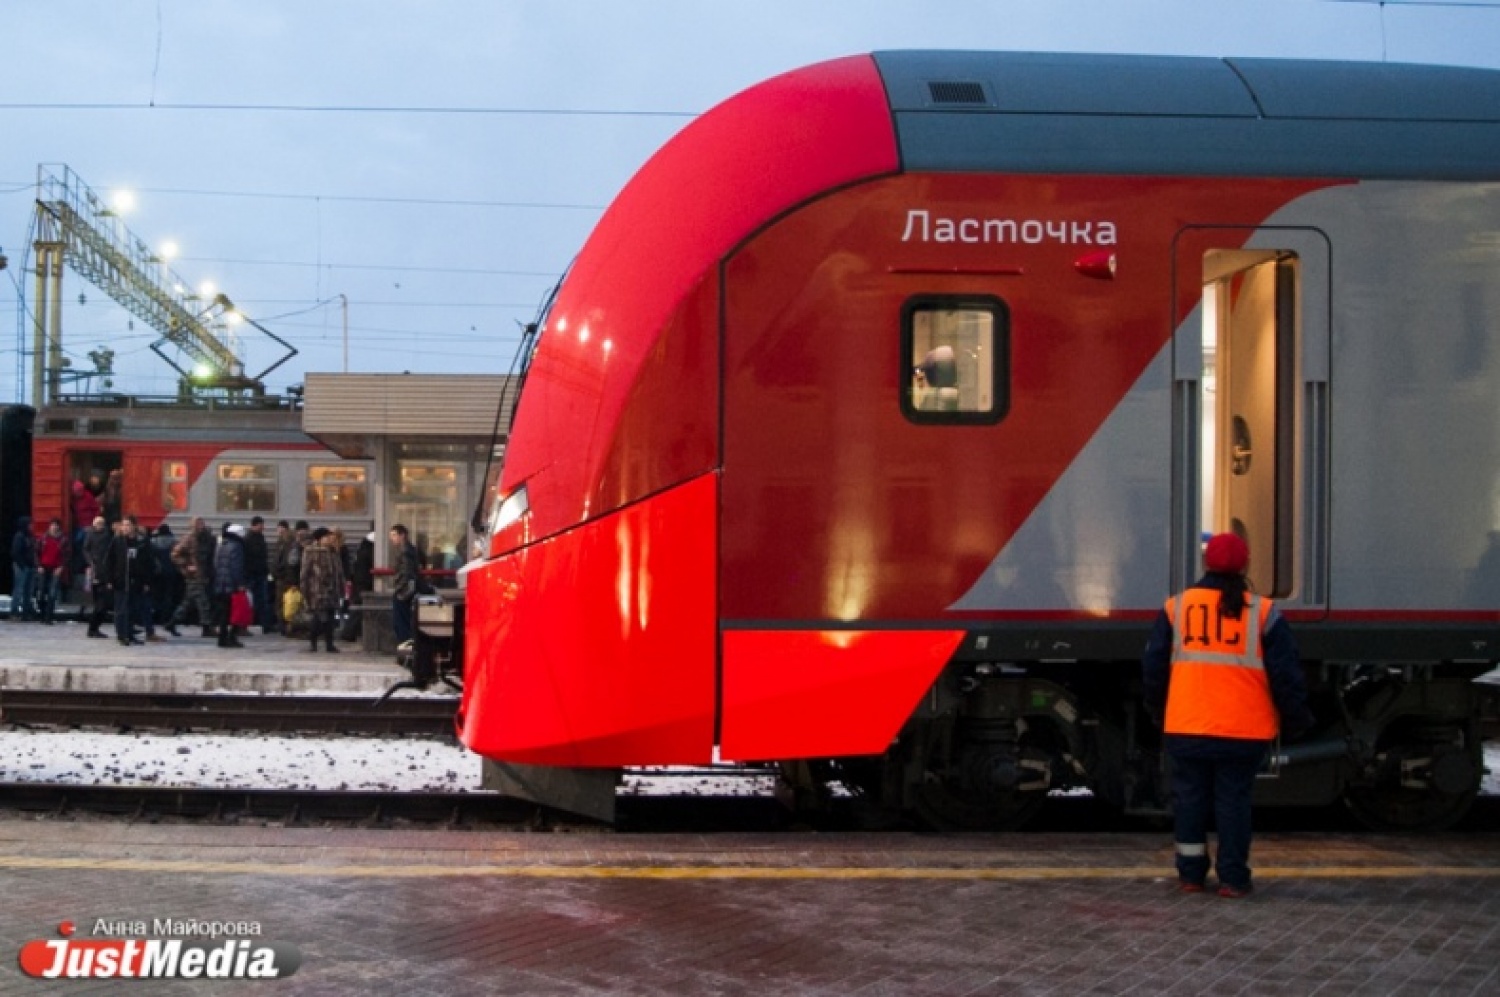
1415,392
1048,83
1286,88
1086,114
1094,544
1415,426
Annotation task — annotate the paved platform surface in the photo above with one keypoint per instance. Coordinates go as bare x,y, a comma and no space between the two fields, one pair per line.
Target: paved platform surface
389,912
61,656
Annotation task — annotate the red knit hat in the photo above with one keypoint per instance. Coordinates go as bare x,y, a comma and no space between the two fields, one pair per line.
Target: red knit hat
1226,553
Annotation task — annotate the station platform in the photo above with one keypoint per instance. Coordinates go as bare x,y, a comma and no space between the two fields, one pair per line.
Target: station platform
468,913
63,657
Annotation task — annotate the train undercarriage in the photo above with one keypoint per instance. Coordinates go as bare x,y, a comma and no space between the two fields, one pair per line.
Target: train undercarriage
1399,745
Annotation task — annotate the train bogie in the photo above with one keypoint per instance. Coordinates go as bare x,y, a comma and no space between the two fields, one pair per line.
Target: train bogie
890,400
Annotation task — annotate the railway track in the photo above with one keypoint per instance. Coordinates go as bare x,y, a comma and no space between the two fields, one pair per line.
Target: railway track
427,716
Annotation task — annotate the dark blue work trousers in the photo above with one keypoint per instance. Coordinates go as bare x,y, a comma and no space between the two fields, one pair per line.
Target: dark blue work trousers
401,618
1213,776
132,609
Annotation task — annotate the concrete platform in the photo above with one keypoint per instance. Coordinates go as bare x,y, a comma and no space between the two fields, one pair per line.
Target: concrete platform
61,656
393,912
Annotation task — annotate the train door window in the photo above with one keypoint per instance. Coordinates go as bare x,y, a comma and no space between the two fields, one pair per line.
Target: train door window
247,487
337,489
955,358
174,485
1248,462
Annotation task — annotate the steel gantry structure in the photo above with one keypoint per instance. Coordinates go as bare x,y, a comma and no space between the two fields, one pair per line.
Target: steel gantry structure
76,228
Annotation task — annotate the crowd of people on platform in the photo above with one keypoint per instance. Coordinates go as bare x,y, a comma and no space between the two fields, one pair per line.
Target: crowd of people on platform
303,583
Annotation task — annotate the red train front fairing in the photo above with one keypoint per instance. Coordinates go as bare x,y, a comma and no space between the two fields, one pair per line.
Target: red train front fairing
596,647
824,693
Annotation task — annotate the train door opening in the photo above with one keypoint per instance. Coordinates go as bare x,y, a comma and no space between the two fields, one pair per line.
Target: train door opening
93,468
1251,377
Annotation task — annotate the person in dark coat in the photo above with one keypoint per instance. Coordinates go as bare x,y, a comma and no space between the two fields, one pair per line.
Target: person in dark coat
361,580
228,578
96,545
1221,676
322,584
405,585
131,571
258,574
23,569
170,587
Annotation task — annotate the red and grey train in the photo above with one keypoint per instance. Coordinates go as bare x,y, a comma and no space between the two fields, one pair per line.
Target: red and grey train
181,458
888,401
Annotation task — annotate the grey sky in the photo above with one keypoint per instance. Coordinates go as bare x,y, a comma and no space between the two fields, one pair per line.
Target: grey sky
507,126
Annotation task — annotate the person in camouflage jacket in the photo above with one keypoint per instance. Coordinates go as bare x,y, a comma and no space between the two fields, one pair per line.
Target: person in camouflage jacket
322,584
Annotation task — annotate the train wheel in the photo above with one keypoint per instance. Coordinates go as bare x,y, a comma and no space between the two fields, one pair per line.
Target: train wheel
1399,809
1426,779
992,784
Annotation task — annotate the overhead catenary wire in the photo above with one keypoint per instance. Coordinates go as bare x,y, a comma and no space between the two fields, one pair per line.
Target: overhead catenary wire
539,112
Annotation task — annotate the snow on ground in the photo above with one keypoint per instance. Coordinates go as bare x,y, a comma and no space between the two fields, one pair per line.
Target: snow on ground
224,761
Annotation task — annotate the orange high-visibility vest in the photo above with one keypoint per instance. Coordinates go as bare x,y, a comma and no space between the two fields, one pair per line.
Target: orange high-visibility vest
1218,685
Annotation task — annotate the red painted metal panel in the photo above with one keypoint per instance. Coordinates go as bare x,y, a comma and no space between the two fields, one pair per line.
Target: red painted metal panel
596,647
823,693
838,507
629,353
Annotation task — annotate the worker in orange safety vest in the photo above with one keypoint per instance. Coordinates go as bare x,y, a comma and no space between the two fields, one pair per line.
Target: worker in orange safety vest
1221,677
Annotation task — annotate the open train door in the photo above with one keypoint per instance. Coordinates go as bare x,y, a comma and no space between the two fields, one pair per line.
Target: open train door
1250,406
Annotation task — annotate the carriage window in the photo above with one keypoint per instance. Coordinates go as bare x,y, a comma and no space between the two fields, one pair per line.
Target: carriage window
956,356
174,485
246,488
334,489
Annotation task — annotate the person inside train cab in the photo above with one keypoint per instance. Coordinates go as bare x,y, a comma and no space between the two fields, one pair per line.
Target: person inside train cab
113,496
84,506
935,381
1221,676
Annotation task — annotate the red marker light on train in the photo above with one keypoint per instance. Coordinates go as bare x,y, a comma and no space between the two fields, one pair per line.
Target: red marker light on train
1100,265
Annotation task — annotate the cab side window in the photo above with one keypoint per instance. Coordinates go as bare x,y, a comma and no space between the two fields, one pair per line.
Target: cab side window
956,355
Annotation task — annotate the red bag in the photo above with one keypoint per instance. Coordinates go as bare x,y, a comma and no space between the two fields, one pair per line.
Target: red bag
241,609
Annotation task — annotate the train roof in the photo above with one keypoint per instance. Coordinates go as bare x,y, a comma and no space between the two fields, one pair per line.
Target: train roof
1163,115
